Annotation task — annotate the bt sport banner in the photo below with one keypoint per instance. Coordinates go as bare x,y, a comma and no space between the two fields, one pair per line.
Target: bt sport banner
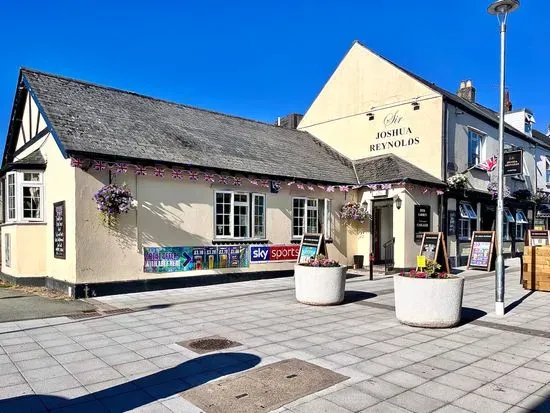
173,259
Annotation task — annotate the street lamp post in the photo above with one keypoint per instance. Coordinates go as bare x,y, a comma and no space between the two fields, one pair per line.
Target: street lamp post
501,8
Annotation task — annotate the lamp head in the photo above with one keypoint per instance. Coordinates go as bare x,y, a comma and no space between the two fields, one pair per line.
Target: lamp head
503,7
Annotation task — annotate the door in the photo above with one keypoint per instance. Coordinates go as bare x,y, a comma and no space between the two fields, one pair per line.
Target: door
382,228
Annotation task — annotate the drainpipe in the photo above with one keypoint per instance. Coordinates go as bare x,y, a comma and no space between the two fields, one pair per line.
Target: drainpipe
444,157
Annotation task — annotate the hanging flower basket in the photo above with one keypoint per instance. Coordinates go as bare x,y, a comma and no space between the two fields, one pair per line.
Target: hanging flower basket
457,182
353,212
113,200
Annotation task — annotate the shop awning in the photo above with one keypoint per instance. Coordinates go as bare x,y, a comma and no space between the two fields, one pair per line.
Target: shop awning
543,211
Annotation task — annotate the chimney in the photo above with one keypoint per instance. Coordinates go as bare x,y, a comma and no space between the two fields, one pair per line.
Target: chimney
467,91
289,121
507,102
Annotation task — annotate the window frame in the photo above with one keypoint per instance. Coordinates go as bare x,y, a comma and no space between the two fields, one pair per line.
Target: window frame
305,224
250,204
19,184
466,214
507,220
479,137
521,221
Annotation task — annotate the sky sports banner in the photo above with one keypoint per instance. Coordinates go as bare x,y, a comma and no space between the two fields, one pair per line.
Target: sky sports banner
173,259
273,253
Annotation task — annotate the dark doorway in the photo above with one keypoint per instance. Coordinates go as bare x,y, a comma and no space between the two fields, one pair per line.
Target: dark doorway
382,228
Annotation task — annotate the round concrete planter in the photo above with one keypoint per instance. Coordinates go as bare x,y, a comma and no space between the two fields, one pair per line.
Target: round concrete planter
320,285
428,302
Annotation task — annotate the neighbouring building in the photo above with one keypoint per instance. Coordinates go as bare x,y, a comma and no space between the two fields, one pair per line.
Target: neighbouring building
220,196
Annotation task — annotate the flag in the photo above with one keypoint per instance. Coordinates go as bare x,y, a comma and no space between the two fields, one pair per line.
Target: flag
343,188
120,168
193,175
77,163
208,177
223,179
329,188
100,165
141,170
177,174
237,181
489,165
158,172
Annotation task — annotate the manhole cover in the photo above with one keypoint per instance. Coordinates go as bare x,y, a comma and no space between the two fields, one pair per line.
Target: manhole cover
208,344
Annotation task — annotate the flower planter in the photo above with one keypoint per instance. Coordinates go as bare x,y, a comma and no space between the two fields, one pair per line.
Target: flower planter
320,285
428,302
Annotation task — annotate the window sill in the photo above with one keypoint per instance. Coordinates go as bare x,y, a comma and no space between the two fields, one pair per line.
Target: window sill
228,241
6,224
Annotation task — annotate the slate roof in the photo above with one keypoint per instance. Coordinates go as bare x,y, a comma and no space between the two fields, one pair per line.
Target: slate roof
101,121
391,168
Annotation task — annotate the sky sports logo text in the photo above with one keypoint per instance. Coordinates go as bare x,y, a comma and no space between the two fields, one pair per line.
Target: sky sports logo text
266,253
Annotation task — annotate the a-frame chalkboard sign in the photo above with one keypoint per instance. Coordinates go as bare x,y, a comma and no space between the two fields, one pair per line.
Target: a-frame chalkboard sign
433,248
311,246
482,250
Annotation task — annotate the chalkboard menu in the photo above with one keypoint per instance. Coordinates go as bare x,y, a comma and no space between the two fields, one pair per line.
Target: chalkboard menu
451,222
311,246
537,237
513,163
422,221
482,250
433,248
59,231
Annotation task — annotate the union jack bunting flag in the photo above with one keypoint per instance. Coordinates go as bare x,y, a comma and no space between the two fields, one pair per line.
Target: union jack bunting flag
330,188
193,175
77,163
489,165
311,188
343,188
264,183
385,186
253,181
300,186
177,174
356,186
223,179
100,165
141,170
120,168
158,172
237,181
208,177
321,187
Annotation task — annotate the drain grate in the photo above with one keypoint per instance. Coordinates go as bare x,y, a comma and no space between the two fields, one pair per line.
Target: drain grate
87,314
208,344
118,311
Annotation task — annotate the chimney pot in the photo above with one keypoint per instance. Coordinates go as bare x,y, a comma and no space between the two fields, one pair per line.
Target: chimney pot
467,91
507,102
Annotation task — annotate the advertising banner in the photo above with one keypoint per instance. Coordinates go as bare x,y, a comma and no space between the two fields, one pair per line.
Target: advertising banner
173,259
273,253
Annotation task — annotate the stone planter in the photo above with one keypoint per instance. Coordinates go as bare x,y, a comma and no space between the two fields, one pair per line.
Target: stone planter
428,302
320,285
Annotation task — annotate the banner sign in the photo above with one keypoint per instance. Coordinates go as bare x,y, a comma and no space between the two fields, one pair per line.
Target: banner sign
272,253
513,163
173,259
311,246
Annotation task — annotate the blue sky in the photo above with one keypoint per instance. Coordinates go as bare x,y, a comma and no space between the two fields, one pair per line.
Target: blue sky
264,59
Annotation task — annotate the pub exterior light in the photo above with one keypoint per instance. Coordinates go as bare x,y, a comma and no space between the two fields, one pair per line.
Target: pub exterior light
398,202
501,8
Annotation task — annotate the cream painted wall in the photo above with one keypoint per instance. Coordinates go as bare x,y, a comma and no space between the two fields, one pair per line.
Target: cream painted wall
173,213
364,82
28,256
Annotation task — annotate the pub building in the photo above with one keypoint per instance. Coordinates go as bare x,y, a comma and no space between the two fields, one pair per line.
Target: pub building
221,198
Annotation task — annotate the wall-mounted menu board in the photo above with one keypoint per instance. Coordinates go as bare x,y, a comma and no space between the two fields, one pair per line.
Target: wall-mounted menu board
59,230
311,246
537,237
422,221
433,248
482,250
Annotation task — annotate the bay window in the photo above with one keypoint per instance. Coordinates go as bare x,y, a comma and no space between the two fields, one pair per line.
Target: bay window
239,215
24,196
311,215
467,220
521,221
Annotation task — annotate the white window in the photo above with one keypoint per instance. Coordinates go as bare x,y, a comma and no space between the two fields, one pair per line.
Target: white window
24,196
475,143
258,216
233,218
310,215
467,220
521,221
508,219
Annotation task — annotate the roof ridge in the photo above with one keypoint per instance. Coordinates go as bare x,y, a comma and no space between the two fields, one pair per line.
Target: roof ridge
111,88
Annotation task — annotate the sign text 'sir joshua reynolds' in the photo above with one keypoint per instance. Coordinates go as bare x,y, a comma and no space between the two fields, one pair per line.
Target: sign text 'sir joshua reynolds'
394,135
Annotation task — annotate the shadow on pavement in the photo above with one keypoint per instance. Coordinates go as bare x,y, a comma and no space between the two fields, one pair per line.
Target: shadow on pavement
470,314
513,305
139,392
354,296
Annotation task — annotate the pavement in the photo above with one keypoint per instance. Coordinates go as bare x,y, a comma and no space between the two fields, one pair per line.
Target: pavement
128,359
19,305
